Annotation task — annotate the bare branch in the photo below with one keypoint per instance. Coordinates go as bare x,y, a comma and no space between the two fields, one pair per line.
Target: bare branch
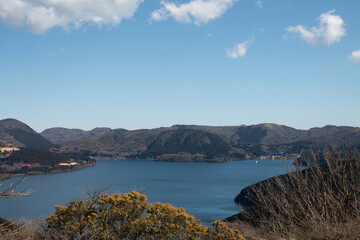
11,193
320,202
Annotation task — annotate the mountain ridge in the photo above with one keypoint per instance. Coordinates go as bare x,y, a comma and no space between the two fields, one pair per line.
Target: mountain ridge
18,134
190,142
246,141
59,135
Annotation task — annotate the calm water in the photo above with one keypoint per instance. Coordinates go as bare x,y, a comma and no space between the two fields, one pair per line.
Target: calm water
205,190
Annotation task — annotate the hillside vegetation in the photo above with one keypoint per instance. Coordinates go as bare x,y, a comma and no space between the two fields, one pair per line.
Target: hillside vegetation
234,142
321,202
181,142
24,151
41,161
18,134
200,144
61,135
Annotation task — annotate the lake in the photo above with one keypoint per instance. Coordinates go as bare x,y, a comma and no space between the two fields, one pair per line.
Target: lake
205,190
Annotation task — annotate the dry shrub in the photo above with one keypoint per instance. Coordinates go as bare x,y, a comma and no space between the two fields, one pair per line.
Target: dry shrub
321,202
24,229
248,230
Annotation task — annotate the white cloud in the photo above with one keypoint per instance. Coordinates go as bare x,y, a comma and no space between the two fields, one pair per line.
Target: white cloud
355,56
41,15
259,3
330,30
239,50
196,11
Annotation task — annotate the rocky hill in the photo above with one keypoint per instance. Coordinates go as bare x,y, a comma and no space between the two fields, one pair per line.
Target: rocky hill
17,134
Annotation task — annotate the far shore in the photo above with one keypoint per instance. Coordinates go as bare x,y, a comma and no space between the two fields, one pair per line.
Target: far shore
5,176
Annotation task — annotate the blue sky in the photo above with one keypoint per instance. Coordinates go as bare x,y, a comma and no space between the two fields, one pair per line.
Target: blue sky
145,64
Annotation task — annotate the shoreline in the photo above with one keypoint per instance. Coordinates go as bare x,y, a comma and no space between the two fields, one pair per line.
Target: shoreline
6,176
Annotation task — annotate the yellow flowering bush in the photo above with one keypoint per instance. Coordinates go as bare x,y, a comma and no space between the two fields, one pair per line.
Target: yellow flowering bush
163,221
130,216
74,221
221,230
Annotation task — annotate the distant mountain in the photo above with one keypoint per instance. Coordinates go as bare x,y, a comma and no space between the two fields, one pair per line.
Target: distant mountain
114,144
231,142
182,142
273,134
61,135
158,144
262,139
191,144
224,131
17,134
36,155
190,141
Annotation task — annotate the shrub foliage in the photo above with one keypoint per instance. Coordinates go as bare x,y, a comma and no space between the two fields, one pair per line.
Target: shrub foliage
130,216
